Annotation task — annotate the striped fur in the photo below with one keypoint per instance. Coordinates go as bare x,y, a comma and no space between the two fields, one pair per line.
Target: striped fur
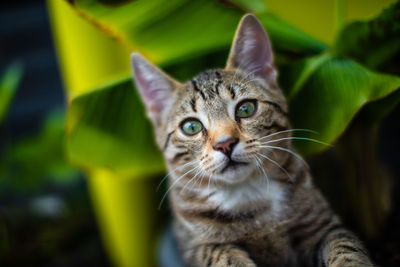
264,211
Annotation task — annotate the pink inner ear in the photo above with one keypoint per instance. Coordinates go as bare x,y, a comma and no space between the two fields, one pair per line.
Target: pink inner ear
255,52
150,95
252,50
154,86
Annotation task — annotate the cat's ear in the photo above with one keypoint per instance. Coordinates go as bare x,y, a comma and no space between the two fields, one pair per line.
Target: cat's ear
251,50
155,87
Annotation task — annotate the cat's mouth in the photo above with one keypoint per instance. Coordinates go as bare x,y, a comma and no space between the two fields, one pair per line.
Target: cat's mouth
233,165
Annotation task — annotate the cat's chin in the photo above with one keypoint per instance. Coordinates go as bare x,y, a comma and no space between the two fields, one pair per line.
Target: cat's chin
235,172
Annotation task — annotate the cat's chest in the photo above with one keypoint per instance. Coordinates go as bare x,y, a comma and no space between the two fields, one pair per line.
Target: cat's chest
257,193
252,212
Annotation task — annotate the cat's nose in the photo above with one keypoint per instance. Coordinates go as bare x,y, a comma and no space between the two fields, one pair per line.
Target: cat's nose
226,145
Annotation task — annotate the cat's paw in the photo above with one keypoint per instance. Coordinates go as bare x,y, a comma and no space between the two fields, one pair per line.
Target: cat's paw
234,257
349,260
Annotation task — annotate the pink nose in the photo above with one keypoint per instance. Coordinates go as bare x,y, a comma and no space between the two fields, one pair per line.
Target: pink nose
226,145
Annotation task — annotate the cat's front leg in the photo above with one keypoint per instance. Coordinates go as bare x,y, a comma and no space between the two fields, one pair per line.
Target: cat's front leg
341,248
219,255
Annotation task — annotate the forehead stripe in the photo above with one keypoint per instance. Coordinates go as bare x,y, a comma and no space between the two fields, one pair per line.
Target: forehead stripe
193,104
232,91
196,88
219,82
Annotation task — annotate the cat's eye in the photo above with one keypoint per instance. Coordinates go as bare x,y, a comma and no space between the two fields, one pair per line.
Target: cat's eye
245,109
191,127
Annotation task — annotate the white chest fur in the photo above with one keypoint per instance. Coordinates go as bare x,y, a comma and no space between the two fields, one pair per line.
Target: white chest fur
255,191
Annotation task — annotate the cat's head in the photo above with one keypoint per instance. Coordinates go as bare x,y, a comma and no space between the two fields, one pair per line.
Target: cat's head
215,125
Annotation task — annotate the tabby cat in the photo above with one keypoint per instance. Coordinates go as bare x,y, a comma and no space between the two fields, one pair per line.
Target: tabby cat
239,193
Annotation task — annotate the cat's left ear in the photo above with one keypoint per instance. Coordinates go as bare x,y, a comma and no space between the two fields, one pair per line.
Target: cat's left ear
251,50
155,87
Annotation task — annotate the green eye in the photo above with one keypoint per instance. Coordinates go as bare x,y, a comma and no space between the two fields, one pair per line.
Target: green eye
246,109
191,127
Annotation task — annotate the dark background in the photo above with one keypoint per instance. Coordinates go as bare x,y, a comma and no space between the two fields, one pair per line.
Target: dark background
42,222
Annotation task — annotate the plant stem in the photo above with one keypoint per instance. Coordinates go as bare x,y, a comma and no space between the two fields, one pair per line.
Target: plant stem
126,209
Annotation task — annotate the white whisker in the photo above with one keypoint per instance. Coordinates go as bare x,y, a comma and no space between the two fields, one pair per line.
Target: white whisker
287,131
192,179
276,163
234,76
169,173
260,165
174,183
287,150
297,138
250,73
211,176
200,179
252,80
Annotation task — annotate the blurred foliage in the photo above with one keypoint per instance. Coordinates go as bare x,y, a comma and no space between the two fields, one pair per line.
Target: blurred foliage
102,121
249,6
116,113
315,84
329,91
8,86
28,163
374,43
149,32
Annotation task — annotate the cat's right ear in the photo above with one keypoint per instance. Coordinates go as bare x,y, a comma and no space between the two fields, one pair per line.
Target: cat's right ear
155,87
251,50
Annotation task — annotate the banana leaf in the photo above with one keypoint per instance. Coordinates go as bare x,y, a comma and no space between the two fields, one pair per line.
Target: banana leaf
327,93
362,65
168,32
106,126
374,43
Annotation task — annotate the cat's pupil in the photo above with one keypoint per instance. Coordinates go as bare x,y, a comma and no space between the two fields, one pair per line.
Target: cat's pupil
191,127
245,110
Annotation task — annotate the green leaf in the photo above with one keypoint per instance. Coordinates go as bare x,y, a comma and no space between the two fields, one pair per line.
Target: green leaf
325,92
332,94
107,128
8,86
374,43
287,39
169,32
375,111
249,5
